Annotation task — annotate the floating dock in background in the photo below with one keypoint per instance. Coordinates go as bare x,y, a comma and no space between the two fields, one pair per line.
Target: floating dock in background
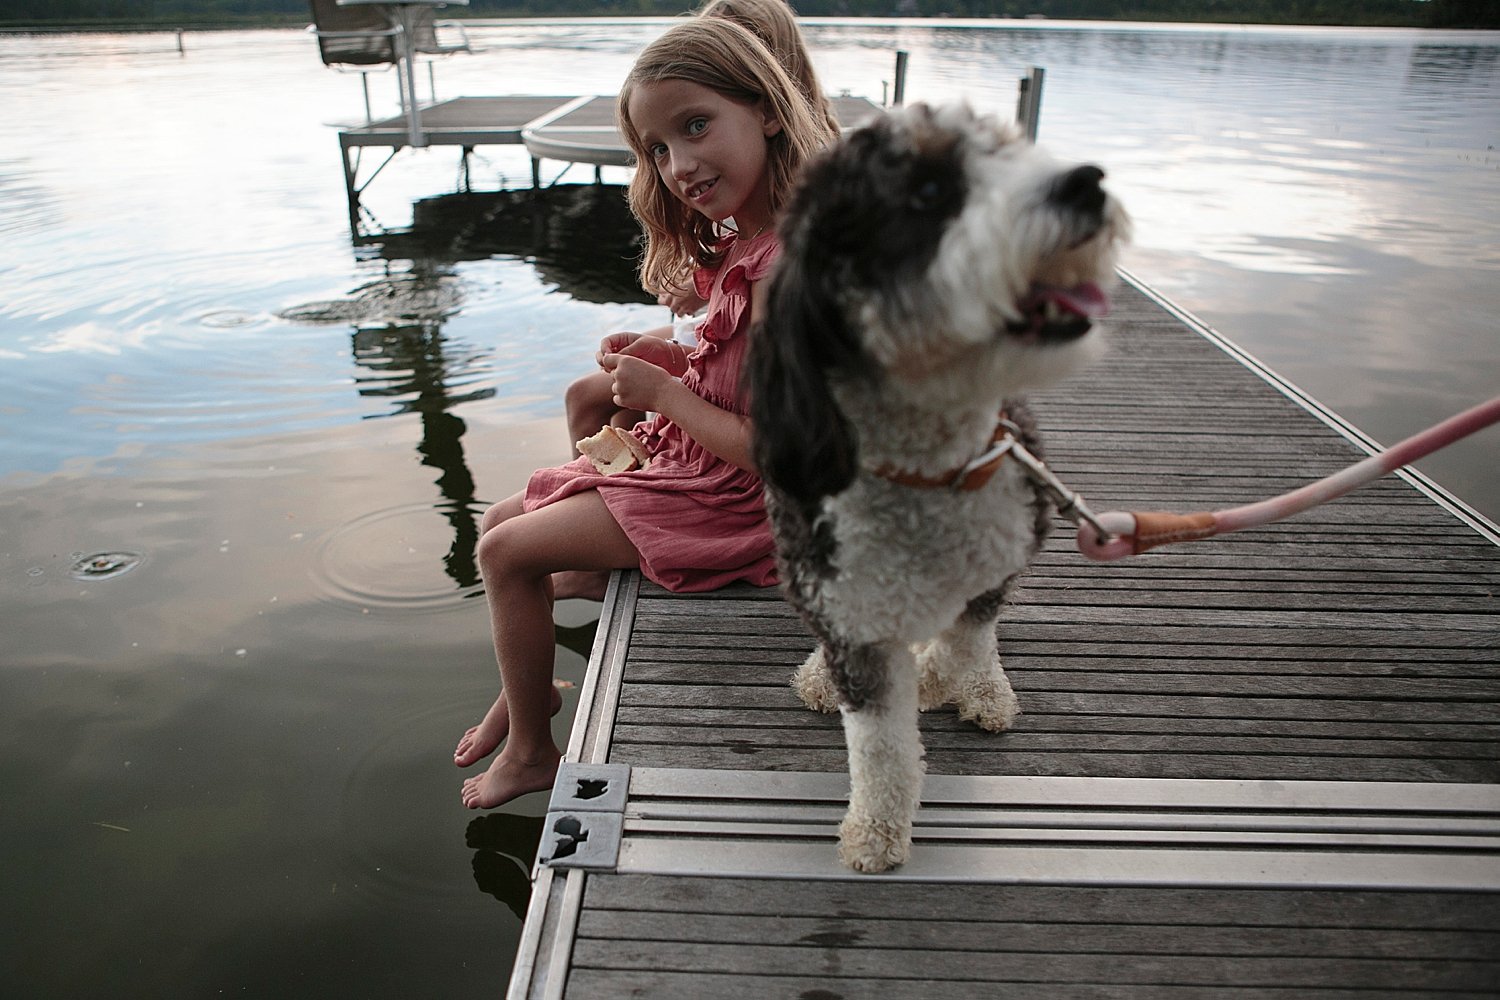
577,129
1265,765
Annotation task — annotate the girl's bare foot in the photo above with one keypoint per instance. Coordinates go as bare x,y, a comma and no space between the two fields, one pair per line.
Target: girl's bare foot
588,586
509,779
480,741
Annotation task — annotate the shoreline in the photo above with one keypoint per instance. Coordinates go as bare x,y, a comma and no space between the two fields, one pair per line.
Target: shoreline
253,21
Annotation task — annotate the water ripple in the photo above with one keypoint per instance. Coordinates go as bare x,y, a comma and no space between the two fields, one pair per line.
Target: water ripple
411,557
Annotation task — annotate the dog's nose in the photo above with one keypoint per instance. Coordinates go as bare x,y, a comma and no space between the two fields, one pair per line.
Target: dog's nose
1079,189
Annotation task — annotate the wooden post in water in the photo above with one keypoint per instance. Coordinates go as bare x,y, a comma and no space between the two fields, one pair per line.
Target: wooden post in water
1029,102
898,96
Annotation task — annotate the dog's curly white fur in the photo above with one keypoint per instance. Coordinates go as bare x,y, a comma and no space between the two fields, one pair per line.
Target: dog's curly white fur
935,265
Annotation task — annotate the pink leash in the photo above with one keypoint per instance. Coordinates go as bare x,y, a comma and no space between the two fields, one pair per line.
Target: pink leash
1117,533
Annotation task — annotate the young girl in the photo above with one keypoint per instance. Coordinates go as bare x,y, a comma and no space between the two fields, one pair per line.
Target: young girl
590,398
719,131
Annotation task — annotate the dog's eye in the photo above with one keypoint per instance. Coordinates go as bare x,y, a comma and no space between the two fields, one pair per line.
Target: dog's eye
933,192
928,194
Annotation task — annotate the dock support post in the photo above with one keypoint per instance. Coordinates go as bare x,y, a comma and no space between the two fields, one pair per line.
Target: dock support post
1029,101
364,82
898,95
350,191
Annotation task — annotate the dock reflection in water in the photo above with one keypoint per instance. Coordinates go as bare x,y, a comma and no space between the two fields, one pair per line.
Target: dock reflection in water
581,238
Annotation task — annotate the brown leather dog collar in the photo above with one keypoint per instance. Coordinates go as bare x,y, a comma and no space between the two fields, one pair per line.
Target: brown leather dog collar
972,475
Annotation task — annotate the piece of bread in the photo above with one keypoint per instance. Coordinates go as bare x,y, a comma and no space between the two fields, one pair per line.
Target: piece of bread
613,450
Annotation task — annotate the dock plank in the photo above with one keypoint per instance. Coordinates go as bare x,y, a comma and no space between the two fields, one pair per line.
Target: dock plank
666,936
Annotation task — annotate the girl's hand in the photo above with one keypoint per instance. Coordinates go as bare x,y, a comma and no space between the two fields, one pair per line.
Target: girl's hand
615,343
667,354
638,384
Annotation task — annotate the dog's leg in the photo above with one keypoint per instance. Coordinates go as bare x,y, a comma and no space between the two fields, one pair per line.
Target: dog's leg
962,667
813,683
885,755
932,674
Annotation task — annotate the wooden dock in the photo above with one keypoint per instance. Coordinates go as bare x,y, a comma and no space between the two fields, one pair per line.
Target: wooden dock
571,129
1264,766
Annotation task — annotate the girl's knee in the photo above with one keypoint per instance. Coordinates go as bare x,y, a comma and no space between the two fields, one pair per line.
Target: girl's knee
492,516
512,550
496,551
499,513
590,397
590,389
576,533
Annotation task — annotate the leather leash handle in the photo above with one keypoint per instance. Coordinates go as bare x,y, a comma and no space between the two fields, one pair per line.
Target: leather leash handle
1129,533
1153,528
1119,533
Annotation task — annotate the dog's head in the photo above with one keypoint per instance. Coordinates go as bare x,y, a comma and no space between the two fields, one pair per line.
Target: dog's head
930,248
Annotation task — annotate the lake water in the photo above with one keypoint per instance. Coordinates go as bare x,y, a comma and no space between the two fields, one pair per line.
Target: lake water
242,458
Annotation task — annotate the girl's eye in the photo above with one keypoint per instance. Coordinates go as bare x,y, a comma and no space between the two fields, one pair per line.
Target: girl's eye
657,150
696,125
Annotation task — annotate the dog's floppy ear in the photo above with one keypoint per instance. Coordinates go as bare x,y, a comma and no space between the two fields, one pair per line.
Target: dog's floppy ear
804,446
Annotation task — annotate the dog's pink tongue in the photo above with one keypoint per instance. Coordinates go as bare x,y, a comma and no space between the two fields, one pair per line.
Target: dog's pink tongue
1087,299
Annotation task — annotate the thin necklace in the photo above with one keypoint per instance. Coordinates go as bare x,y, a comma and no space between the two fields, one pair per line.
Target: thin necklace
756,236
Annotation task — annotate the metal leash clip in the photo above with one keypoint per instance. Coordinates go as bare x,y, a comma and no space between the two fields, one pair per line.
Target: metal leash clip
1069,504
977,472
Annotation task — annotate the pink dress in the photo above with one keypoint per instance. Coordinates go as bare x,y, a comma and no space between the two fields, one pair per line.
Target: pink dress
697,521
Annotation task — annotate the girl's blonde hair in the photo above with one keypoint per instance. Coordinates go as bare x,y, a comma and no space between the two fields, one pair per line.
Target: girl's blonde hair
775,24
726,58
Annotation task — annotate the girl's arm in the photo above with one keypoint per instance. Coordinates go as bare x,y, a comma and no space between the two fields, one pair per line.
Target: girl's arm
725,434
640,385
682,301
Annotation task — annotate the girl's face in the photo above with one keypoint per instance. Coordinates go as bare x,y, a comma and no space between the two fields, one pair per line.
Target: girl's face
709,150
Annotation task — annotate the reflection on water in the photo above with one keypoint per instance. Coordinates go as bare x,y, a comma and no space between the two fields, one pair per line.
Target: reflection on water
577,236
244,461
420,294
417,365
386,558
1449,64
504,846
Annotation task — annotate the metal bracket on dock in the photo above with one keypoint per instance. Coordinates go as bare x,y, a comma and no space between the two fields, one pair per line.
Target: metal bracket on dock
586,817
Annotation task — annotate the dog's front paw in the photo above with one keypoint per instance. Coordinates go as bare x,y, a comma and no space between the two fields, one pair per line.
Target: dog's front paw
814,684
988,702
868,844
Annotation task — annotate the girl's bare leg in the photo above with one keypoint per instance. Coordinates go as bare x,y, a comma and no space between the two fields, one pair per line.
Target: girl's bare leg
585,586
590,403
478,742
517,557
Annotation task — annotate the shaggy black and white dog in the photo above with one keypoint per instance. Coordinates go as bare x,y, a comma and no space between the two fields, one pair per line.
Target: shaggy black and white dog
935,265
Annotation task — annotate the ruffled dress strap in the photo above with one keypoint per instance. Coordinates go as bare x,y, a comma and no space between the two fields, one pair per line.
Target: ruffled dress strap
729,296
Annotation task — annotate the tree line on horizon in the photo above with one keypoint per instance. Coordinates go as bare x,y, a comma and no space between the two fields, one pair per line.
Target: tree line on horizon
1391,13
